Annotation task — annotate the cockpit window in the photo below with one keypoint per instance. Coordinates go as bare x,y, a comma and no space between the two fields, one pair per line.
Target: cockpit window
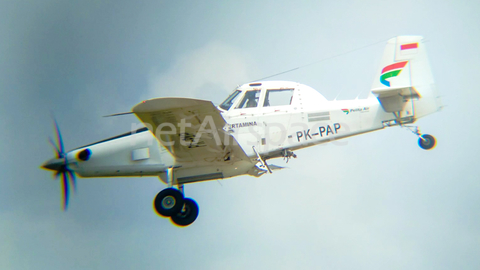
250,100
278,97
230,100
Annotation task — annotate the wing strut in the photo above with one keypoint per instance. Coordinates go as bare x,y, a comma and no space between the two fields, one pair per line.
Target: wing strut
170,177
261,160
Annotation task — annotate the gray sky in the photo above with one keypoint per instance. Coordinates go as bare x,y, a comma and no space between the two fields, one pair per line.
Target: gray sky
378,202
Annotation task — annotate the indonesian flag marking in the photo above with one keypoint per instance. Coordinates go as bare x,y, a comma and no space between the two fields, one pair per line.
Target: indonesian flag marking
409,46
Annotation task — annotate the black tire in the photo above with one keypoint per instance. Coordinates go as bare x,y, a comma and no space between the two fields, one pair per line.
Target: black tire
188,214
168,202
427,143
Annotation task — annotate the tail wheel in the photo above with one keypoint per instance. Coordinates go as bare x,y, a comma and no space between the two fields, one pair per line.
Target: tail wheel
168,202
187,215
426,142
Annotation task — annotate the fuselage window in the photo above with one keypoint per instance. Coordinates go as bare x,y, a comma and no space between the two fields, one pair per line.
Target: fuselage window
279,97
250,100
230,100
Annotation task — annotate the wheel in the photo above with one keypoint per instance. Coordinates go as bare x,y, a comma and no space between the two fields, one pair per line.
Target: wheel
187,215
168,202
426,142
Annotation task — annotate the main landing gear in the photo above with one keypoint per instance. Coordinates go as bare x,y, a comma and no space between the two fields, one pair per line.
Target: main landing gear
170,202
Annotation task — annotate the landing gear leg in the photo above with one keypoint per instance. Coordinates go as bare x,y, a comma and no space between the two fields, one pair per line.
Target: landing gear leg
425,141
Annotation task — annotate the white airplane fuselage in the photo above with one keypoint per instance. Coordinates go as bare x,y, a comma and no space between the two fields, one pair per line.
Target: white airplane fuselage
308,120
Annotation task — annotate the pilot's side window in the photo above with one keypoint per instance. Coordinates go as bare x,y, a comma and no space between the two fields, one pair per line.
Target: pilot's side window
250,100
278,97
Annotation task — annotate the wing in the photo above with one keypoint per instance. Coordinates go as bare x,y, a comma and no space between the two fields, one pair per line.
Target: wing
192,130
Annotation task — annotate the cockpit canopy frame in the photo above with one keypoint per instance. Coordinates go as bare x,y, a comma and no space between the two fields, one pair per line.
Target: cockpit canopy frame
270,94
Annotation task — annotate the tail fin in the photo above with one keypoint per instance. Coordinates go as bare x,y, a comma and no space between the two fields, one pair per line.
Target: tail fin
404,83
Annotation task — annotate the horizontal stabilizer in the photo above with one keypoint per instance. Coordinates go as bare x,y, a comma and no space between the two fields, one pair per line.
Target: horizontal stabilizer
407,92
394,99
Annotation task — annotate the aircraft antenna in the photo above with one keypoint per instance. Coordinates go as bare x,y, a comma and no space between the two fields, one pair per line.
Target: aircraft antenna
323,59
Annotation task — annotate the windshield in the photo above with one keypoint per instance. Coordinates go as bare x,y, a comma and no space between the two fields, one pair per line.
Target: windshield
230,100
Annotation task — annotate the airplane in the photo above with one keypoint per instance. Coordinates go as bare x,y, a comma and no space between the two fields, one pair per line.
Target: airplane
186,140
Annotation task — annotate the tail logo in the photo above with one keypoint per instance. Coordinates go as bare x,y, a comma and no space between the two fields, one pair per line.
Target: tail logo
390,71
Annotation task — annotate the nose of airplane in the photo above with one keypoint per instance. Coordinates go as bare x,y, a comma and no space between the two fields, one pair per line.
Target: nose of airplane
54,164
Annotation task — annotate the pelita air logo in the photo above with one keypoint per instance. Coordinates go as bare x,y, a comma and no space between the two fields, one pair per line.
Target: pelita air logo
390,71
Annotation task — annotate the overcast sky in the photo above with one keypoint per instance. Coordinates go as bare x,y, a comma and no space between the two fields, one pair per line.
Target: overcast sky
378,202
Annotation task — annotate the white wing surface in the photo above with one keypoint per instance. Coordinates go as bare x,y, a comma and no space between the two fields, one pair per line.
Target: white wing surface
191,129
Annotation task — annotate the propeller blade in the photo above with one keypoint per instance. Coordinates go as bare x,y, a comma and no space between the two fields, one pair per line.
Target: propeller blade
65,190
73,180
59,136
57,151
60,165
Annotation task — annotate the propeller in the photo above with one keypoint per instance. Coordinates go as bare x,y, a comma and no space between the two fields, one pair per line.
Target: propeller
60,166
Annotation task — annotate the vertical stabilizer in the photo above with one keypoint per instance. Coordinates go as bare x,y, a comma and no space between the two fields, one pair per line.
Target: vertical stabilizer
404,80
